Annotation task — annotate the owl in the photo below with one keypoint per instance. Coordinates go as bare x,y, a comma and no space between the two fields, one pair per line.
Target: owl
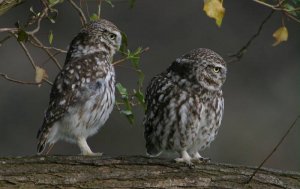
185,105
83,94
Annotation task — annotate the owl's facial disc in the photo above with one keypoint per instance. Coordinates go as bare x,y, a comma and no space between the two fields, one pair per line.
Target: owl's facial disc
212,76
105,33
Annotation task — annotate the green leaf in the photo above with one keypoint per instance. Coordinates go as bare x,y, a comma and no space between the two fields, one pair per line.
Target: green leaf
32,11
52,20
22,36
122,90
129,115
110,3
126,112
7,5
131,3
290,8
141,79
50,37
94,17
134,57
140,97
54,2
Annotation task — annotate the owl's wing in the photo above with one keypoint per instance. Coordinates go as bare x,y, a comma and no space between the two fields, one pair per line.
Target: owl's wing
158,95
65,92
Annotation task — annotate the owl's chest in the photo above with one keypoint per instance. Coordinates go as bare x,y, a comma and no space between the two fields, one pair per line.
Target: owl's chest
209,120
95,101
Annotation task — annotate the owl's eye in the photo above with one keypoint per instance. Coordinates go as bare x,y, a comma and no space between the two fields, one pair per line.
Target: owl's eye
216,69
112,36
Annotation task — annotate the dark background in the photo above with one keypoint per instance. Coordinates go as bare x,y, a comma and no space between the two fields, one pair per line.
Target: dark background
261,92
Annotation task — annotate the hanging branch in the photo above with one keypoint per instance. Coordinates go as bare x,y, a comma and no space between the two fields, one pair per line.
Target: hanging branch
280,6
80,12
240,53
47,51
274,149
5,76
49,48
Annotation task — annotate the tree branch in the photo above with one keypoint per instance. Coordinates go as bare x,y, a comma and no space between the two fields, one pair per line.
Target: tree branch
27,53
240,53
49,48
133,172
5,76
275,148
80,12
41,16
126,58
47,51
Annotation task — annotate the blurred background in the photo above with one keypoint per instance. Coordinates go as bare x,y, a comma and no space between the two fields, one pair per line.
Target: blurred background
261,92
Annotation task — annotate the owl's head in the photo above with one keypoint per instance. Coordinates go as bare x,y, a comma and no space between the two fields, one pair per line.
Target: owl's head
96,36
103,31
203,66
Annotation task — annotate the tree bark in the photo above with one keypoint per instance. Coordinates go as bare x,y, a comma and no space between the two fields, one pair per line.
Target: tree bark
133,172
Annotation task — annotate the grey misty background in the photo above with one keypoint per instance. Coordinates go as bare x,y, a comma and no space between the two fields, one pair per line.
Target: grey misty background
261,92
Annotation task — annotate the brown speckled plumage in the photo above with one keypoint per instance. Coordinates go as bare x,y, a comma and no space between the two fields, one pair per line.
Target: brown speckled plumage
185,105
83,93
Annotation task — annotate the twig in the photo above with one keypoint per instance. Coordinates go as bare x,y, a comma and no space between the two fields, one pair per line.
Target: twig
41,16
5,76
280,7
274,7
99,8
87,8
274,149
45,61
27,53
50,48
4,39
126,58
239,54
292,17
80,12
293,10
47,81
47,51
8,29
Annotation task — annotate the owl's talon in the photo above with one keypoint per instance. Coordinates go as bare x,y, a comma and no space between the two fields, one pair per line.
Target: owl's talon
204,160
185,158
201,160
186,161
92,154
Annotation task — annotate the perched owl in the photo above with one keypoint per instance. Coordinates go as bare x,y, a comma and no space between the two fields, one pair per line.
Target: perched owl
83,94
185,105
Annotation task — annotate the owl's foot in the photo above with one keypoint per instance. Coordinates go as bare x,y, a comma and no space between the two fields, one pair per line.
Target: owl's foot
199,159
185,158
92,154
85,149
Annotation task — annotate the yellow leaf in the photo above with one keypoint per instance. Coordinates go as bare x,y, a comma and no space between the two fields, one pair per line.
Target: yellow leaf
280,35
40,74
214,9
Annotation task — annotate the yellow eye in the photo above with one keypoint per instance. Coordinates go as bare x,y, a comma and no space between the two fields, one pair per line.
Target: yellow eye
216,69
112,36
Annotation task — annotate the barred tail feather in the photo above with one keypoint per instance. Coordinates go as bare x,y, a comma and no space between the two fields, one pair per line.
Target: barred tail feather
41,147
43,142
152,150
